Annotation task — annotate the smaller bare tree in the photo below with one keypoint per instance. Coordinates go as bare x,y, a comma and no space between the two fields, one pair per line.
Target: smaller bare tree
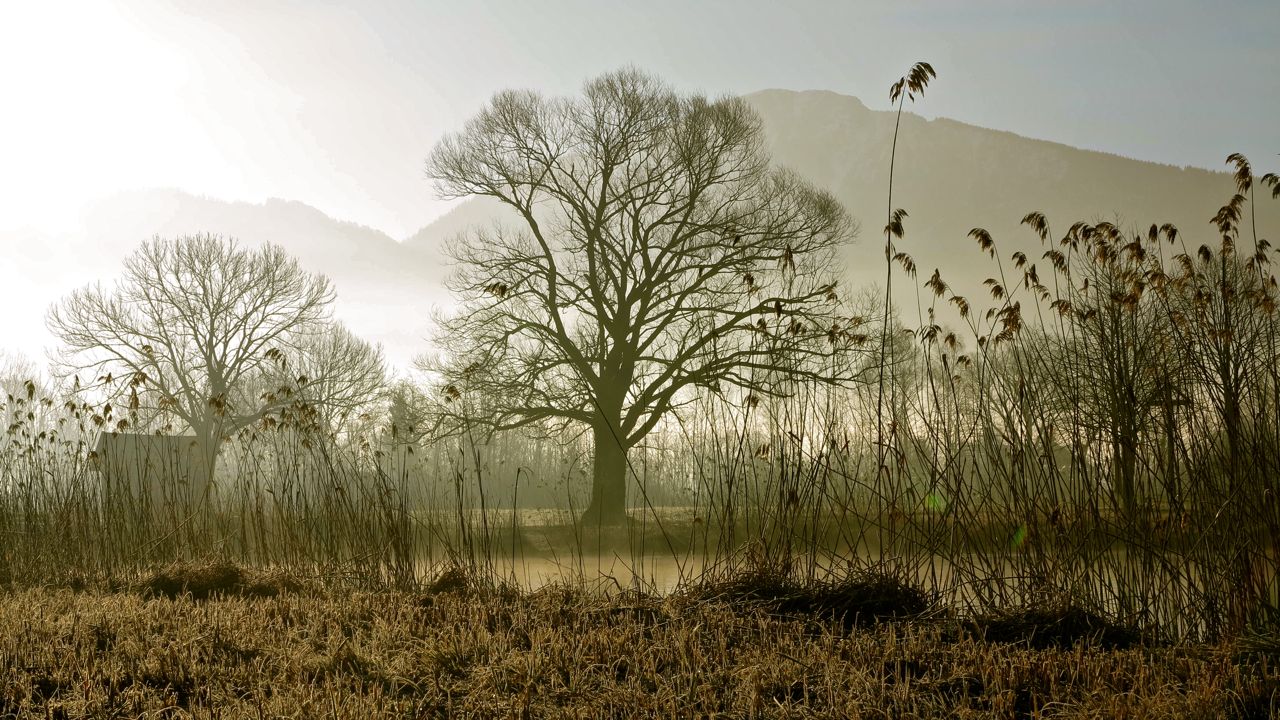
205,331
335,375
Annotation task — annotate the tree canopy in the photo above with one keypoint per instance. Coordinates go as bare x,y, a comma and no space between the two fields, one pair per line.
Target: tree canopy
215,335
656,254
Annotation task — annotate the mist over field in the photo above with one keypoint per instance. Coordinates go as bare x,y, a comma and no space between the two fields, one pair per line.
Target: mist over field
836,360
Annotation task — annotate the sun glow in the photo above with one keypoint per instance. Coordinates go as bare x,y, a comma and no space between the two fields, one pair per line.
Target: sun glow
92,105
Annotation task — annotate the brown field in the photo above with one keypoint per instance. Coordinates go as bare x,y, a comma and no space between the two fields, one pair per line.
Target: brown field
221,642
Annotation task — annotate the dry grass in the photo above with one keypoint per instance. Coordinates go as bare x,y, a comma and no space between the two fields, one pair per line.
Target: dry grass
213,579
1085,466
467,650
1055,626
854,599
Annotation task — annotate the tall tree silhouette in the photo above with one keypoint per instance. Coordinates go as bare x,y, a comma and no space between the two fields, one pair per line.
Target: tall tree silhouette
657,253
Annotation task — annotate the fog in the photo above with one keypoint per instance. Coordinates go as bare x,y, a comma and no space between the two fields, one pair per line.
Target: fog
336,107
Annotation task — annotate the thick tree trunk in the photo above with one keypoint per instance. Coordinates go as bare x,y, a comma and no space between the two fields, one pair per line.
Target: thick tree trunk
1171,470
1124,445
608,504
204,463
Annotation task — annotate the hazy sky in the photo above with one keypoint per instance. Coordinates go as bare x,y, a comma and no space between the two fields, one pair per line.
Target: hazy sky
336,104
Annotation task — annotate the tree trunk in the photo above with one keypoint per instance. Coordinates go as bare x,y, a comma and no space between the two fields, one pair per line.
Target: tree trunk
609,481
1124,445
1171,470
1232,423
1127,480
204,463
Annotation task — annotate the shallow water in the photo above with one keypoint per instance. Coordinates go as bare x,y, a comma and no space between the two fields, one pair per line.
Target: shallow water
1167,588
652,573
1113,583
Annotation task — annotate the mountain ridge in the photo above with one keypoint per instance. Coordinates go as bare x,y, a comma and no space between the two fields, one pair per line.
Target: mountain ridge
951,176
945,119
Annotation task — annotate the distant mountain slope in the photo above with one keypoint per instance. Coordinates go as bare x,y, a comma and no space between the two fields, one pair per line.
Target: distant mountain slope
472,214
385,290
952,177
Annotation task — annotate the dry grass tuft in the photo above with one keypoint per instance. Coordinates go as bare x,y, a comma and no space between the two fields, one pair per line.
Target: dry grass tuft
455,579
215,578
857,599
1260,701
1056,626
1261,641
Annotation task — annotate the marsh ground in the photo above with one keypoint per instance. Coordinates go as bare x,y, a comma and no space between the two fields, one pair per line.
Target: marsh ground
222,642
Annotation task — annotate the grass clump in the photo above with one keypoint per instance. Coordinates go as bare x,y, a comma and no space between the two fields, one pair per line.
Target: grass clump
1262,642
855,599
210,579
1057,625
455,579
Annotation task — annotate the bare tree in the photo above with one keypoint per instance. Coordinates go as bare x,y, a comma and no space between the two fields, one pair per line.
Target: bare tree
1112,357
656,254
336,373
408,413
1222,309
203,330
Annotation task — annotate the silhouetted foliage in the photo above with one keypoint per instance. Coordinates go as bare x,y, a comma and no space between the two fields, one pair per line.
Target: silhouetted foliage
657,255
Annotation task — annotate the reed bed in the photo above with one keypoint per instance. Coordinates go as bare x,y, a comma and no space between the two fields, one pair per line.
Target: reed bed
1066,509
1105,436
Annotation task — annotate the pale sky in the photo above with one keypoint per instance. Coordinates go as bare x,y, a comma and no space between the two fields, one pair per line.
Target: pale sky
336,104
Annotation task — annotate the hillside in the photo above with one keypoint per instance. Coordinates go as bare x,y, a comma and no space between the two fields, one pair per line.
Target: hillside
386,291
952,177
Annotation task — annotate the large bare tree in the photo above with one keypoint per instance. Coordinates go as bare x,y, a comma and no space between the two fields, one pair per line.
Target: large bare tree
216,335
656,253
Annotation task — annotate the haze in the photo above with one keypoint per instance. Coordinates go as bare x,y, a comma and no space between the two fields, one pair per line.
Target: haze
335,105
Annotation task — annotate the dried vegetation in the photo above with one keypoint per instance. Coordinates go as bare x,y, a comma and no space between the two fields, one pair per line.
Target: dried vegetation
1060,505
463,648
